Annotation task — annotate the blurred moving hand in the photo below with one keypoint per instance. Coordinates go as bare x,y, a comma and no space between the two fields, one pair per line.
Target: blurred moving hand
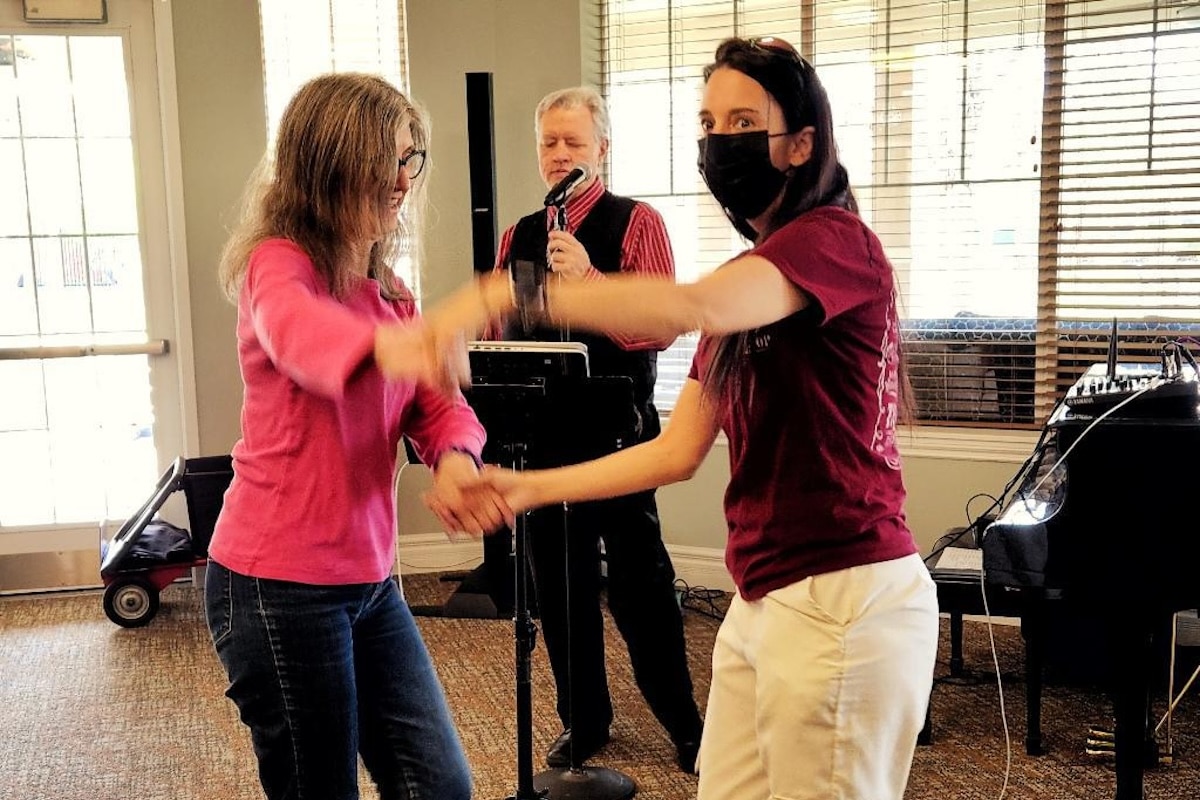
471,308
420,352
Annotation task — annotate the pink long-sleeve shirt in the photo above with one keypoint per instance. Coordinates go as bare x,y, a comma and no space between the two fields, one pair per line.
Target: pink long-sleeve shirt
311,499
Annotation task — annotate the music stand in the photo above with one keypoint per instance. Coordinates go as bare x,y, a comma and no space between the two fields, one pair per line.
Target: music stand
527,395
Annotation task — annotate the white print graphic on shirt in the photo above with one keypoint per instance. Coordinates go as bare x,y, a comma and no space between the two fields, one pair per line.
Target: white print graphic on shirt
758,342
887,392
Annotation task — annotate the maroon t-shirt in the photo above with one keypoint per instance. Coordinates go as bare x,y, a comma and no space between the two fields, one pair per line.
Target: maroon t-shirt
815,482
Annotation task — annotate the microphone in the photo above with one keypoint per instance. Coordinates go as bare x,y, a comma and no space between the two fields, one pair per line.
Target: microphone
562,190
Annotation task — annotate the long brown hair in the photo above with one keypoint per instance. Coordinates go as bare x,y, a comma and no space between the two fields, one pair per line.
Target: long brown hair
820,181
330,181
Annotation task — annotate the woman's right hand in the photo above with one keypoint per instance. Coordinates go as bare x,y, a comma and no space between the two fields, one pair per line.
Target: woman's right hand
415,351
515,488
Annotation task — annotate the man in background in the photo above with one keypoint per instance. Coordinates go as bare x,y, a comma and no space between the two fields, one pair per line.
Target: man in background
602,234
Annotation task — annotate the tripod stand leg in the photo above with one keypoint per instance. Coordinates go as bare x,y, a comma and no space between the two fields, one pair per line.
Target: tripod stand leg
526,633
576,761
579,782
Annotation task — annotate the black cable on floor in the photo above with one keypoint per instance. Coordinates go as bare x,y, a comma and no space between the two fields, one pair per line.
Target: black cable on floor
701,599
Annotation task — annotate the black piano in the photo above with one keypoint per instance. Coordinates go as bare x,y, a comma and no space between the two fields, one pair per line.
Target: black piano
1109,527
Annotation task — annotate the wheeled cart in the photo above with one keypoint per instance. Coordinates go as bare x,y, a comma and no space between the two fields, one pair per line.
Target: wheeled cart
146,555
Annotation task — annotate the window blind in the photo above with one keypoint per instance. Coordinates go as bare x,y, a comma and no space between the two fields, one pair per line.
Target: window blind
303,40
976,156
1120,235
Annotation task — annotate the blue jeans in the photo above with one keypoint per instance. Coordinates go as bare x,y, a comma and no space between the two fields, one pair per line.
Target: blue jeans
323,674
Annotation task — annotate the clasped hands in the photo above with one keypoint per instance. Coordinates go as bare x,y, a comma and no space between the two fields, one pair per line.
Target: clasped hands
467,501
432,350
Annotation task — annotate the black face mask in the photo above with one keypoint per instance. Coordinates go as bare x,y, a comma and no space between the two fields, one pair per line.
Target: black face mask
738,170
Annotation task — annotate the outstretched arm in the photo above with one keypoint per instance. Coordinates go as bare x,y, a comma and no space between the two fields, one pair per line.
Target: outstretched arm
674,455
745,293
645,252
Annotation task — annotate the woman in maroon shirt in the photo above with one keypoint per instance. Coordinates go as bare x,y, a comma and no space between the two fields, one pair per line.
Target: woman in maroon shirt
824,662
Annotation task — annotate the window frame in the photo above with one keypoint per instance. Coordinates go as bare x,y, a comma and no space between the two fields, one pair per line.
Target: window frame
349,37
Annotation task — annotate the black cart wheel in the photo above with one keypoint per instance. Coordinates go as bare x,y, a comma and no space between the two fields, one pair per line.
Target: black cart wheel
131,602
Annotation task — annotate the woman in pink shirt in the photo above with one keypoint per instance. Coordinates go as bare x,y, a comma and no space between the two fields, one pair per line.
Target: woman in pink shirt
823,664
324,661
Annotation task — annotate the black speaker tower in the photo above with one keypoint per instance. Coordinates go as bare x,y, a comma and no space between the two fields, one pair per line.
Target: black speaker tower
487,591
481,159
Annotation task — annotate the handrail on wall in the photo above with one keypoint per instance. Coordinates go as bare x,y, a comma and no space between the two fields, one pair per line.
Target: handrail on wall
154,347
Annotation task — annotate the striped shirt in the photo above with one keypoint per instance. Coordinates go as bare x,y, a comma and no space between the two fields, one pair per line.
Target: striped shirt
645,250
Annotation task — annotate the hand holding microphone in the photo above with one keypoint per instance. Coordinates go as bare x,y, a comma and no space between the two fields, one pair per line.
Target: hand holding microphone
566,256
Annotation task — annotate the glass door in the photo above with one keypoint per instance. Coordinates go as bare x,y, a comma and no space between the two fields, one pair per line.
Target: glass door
89,383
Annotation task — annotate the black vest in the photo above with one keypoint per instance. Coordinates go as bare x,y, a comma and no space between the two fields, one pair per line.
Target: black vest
601,234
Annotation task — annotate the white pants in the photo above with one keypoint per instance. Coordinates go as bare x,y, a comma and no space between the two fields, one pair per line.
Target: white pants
820,688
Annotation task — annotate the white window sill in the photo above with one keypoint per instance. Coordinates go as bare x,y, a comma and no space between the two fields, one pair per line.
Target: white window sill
967,444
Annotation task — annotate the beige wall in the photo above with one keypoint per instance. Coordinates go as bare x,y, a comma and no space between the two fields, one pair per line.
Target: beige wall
938,490
531,47
223,132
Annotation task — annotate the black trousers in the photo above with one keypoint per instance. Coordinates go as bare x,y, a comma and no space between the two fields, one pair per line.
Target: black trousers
564,552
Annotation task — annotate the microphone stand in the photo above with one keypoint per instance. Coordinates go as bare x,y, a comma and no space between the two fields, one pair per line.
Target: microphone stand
509,411
580,782
560,224
577,782
525,634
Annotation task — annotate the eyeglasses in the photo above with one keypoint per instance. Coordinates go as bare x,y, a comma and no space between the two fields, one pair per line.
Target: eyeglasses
412,164
773,45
